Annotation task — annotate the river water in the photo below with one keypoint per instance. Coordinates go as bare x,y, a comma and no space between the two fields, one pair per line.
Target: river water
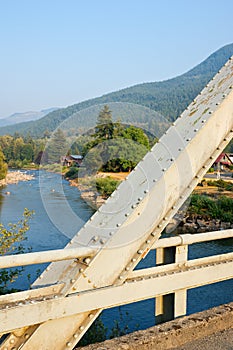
60,213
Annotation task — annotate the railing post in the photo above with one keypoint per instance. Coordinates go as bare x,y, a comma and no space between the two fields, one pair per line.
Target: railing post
180,299
164,304
170,306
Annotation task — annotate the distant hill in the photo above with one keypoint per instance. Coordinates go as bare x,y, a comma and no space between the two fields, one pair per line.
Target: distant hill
166,98
25,117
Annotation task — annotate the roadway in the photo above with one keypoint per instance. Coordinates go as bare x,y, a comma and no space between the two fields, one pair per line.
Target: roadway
222,340
223,176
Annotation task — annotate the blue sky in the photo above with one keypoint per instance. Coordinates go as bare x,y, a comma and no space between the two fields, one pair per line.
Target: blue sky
60,52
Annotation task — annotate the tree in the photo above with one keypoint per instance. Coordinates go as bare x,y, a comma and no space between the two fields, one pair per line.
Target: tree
137,135
6,144
104,127
17,148
57,147
3,166
27,152
11,238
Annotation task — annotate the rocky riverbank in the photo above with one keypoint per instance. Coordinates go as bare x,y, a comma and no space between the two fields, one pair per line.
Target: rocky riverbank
91,197
13,177
199,225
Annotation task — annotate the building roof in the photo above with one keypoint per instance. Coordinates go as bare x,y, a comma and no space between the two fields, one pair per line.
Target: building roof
221,156
76,156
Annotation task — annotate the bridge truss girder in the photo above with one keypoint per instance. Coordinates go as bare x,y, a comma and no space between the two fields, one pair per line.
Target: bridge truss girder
125,228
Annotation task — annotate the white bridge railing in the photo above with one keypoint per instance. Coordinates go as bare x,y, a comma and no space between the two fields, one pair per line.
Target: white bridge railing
168,282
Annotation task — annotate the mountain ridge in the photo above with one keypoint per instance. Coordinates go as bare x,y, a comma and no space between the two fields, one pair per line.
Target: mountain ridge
168,98
19,117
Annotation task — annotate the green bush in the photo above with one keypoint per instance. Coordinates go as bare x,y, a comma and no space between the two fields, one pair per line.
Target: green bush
221,184
209,208
72,173
105,186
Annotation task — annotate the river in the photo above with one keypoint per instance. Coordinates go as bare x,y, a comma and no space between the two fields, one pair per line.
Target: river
49,196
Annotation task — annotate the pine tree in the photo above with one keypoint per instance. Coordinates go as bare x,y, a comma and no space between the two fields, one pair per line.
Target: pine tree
57,147
3,166
104,127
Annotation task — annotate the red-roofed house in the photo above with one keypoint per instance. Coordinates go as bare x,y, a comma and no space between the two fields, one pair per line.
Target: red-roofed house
224,160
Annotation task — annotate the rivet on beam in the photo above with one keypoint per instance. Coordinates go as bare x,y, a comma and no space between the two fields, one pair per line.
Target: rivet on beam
87,261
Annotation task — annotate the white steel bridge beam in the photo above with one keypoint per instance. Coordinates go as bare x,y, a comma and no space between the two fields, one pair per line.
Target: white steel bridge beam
126,227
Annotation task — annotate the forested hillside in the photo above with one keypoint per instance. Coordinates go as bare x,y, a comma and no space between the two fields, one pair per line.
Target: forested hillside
167,98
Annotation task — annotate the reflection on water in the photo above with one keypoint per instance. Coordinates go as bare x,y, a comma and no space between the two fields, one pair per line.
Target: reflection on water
47,234
1,203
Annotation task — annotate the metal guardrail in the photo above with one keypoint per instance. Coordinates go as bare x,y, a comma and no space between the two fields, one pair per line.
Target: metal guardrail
45,303
25,259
